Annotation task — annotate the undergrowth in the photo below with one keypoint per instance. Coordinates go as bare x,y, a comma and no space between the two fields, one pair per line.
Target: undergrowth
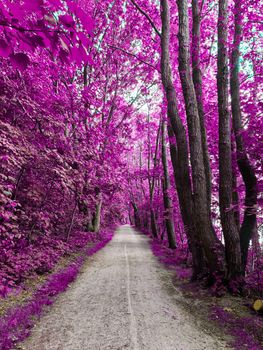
15,326
246,330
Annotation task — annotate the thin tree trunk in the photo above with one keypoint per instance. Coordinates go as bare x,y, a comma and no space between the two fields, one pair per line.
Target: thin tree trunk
235,195
168,211
198,86
131,219
249,224
230,231
213,248
154,227
85,75
97,215
141,179
20,175
136,215
235,199
72,220
89,226
153,224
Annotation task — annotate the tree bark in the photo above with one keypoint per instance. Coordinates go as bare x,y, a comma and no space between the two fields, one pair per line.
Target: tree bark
137,220
248,226
231,236
72,220
154,227
97,215
168,211
213,248
235,195
153,224
186,209
179,150
85,75
198,86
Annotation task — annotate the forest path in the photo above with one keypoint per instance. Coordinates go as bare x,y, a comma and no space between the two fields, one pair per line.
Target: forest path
123,299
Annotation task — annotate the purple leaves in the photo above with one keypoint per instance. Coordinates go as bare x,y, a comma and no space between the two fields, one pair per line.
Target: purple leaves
245,330
84,39
44,30
76,96
5,49
20,61
16,325
86,21
32,5
67,20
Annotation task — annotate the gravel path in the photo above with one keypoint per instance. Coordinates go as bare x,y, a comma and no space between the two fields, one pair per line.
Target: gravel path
123,299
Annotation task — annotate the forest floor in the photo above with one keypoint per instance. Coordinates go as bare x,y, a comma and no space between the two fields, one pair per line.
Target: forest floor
123,299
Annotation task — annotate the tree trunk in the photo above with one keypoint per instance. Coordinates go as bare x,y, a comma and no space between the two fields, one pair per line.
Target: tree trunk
231,236
89,226
186,209
136,215
85,75
72,220
154,227
198,86
97,215
235,195
256,249
146,221
245,167
179,150
213,248
153,224
168,211
131,218
20,175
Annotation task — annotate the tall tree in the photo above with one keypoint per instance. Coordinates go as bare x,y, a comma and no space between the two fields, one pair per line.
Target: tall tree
230,231
151,182
179,151
168,210
248,226
212,246
198,86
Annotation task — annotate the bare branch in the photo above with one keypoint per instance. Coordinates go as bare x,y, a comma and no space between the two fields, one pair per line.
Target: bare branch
201,7
148,18
133,55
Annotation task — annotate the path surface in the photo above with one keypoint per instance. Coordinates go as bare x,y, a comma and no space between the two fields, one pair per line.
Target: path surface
123,299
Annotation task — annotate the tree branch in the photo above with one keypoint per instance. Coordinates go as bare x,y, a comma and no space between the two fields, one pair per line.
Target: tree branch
133,55
148,18
201,7
21,29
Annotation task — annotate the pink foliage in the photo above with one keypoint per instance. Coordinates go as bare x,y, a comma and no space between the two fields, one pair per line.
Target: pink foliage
81,101
16,325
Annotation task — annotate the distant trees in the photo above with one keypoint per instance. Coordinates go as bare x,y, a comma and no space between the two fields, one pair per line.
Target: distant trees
62,144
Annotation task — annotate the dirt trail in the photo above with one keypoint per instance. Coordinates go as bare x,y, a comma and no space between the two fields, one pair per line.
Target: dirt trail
123,299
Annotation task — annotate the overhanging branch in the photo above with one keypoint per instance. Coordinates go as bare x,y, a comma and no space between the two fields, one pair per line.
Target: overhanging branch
148,17
133,55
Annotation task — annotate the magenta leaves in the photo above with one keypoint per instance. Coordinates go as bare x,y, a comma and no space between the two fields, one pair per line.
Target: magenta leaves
16,325
247,331
30,25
